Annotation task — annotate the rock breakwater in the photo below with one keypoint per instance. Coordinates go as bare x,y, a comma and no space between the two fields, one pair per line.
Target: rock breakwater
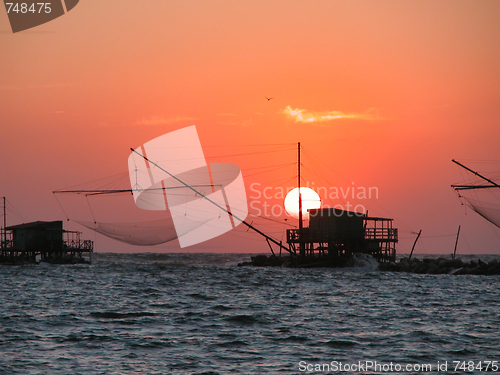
443,266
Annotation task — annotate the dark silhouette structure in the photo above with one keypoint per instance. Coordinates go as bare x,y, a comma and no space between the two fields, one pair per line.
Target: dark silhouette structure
44,241
334,235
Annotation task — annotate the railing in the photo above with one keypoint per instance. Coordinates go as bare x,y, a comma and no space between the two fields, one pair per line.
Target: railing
308,235
79,244
6,239
88,245
294,235
390,234
72,240
380,234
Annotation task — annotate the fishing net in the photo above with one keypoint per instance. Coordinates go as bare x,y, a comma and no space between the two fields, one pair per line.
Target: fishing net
146,233
172,192
481,190
111,211
486,208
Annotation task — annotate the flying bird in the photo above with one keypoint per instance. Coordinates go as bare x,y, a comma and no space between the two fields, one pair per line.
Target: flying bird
268,98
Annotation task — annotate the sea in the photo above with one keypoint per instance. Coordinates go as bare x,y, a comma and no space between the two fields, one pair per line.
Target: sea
153,313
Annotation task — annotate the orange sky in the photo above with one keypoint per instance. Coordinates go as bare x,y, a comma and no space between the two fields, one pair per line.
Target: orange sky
400,87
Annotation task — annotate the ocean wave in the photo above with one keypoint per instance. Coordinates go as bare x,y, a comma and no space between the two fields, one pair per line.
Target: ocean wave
117,315
124,315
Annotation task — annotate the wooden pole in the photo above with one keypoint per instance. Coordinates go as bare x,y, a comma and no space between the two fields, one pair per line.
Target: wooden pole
301,243
456,243
413,247
4,239
298,184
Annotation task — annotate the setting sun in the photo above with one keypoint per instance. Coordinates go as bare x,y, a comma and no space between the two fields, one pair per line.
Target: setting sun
310,200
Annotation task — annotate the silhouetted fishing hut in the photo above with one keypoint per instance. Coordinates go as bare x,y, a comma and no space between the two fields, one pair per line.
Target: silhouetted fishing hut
334,235
23,243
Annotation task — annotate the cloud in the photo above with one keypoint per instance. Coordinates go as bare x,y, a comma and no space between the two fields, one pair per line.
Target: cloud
248,122
160,120
303,115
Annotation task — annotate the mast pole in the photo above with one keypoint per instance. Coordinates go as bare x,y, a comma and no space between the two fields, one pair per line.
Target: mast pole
211,201
300,194
301,243
477,174
4,234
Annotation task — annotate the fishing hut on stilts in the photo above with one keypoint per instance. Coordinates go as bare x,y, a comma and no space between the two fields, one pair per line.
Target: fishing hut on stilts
334,236
44,241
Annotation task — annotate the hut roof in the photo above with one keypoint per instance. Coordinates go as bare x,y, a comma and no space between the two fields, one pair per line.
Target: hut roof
46,225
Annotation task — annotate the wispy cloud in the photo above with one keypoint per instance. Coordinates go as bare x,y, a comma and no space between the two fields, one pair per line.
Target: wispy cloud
160,120
304,115
248,122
